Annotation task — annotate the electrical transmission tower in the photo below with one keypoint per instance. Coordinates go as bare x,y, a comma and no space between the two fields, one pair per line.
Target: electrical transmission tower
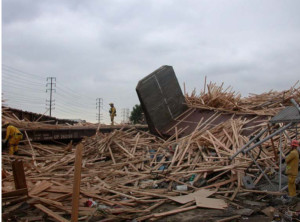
125,115
51,84
99,105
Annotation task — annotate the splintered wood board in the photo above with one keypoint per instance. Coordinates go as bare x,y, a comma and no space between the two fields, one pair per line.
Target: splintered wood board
190,197
212,203
38,188
51,213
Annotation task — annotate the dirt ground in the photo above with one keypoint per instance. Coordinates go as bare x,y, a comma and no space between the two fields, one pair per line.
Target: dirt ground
204,215
247,214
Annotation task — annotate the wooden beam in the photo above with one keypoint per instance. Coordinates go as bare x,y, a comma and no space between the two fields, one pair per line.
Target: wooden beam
19,174
77,180
229,218
38,188
15,193
174,211
51,213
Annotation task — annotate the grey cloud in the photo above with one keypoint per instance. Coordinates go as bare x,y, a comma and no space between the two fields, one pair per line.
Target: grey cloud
103,48
14,10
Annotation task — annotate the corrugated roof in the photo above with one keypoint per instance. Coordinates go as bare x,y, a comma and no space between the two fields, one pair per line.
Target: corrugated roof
289,114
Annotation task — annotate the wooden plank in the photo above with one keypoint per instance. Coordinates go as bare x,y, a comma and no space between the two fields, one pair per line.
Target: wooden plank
50,213
156,205
15,193
11,208
189,143
119,193
111,154
126,151
19,174
33,218
136,143
42,115
174,211
222,183
14,200
217,176
189,111
211,203
229,218
190,197
38,188
47,201
275,193
33,153
76,184
63,197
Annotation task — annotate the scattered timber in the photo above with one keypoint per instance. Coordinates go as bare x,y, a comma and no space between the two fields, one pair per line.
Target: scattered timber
129,174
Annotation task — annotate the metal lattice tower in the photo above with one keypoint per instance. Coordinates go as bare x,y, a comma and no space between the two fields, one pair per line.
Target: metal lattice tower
123,115
99,106
51,101
127,115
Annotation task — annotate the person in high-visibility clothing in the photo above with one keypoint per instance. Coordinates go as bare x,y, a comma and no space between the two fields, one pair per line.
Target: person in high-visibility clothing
292,164
112,112
13,136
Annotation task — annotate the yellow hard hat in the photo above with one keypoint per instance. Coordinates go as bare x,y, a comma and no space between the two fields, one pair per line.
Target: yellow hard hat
111,104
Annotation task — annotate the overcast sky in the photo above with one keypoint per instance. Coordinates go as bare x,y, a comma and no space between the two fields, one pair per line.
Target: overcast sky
101,49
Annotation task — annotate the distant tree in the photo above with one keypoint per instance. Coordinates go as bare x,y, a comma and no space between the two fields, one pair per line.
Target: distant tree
137,115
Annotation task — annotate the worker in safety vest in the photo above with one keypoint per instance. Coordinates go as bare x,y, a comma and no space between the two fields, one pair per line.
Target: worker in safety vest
13,136
112,113
292,164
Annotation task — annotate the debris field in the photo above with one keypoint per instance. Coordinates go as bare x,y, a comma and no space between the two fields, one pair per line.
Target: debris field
128,175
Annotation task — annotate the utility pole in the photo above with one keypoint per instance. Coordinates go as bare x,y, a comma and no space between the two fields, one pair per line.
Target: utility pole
51,83
99,105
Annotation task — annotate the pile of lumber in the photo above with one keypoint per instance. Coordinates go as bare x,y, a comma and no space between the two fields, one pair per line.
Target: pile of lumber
129,174
9,116
215,97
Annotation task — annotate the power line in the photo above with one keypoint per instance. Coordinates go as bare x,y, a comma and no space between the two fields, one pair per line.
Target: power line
69,102
26,89
17,80
72,112
75,100
76,93
21,95
7,84
74,109
13,100
66,89
20,76
9,68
